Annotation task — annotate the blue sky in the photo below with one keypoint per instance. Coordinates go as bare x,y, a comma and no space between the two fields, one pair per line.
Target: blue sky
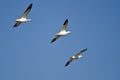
26,52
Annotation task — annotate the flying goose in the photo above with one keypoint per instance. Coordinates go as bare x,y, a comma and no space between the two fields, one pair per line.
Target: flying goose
76,56
23,18
63,31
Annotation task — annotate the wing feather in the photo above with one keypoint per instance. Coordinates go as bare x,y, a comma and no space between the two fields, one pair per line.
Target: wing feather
68,62
65,25
55,38
81,52
17,24
27,11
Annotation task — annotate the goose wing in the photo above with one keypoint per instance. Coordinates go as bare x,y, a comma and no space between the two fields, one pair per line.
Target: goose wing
69,61
65,25
81,52
27,11
55,38
17,24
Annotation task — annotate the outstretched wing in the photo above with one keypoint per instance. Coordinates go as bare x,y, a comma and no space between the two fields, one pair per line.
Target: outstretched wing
27,11
17,24
55,38
65,25
81,52
68,62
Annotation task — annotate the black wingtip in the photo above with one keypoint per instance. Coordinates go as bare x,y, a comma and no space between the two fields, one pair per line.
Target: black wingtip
67,64
53,40
15,25
84,50
30,6
66,21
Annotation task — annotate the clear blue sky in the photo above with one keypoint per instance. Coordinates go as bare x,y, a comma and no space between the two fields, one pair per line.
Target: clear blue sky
26,52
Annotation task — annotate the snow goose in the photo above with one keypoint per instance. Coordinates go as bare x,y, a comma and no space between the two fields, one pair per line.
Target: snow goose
62,32
76,56
23,18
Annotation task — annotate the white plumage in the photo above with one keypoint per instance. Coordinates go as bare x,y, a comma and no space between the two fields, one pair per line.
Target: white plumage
63,31
76,56
23,18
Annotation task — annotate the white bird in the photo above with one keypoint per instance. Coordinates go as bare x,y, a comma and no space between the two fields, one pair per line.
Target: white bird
77,56
23,18
63,31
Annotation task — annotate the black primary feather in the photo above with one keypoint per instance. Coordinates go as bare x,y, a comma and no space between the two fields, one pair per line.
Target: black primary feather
53,40
66,21
67,63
